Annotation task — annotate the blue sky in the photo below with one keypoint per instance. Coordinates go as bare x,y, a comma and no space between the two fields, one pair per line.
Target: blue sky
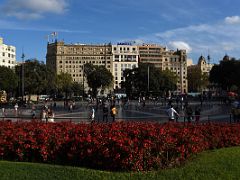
199,26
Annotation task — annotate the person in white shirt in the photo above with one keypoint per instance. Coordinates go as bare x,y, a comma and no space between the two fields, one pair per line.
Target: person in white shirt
16,109
171,113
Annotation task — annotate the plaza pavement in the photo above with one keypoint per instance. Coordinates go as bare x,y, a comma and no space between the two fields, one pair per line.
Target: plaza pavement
213,111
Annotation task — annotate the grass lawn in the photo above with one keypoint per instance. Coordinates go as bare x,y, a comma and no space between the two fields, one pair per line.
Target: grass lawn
216,164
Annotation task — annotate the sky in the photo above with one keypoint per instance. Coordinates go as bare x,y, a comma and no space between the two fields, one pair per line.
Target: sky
201,27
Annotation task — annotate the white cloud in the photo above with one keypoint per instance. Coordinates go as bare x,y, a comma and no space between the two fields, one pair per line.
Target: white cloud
232,20
180,45
33,9
215,38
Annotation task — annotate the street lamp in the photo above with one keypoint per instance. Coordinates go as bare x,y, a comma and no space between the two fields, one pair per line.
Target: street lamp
148,78
83,80
23,56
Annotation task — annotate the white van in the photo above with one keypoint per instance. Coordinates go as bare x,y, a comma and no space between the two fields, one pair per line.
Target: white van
43,97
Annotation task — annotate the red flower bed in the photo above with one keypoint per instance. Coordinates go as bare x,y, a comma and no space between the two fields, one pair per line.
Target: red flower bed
118,146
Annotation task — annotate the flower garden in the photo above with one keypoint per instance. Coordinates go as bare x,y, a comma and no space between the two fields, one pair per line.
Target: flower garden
121,146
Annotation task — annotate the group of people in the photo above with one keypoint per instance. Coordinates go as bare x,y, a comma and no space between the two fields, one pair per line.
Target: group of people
173,114
47,115
105,113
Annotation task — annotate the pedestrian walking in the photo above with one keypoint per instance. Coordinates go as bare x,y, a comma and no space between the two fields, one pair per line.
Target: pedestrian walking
16,109
172,113
50,115
70,108
177,110
197,114
92,114
105,113
44,115
188,113
3,111
113,112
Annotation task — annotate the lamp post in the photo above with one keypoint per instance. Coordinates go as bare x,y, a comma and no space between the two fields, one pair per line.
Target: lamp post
148,78
23,56
83,80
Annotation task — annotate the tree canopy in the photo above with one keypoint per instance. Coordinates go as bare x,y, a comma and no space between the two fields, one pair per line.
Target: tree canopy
97,77
64,83
38,79
138,80
8,79
226,74
197,81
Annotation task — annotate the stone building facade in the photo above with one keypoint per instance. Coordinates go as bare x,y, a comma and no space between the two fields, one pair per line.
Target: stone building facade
7,55
175,61
70,58
124,57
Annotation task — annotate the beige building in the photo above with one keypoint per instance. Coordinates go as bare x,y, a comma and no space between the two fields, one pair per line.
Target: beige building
70,58
175,61
124,57
7,55
204,65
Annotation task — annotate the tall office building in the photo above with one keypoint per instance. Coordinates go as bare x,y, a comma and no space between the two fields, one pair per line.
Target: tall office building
175,61
7,55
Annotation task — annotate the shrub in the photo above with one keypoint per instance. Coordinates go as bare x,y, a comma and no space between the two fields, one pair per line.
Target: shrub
128,146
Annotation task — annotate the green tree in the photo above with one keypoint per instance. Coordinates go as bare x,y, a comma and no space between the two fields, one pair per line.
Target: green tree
169,80
97,77
77,89
140,80
197,81
38,79
226,74
8,80
64,83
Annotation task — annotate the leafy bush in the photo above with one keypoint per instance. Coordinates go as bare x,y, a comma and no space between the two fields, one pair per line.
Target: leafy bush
128,146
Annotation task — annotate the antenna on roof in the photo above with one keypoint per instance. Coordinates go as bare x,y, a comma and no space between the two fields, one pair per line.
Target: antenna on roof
208,57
